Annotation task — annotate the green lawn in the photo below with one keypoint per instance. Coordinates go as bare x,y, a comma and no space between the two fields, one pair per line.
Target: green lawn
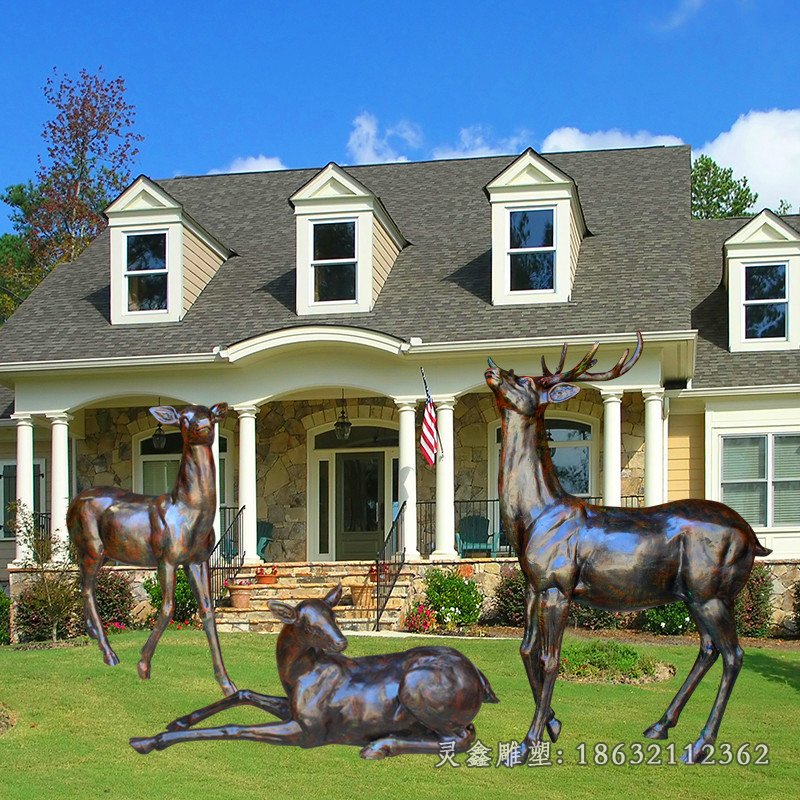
75,716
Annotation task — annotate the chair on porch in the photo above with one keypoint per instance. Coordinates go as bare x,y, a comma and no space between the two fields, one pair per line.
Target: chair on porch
473,536
229,548
264,531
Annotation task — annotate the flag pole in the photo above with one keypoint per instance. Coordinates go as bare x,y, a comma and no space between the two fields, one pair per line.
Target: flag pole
436,427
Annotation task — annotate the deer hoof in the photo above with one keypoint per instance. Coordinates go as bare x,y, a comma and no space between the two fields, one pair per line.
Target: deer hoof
700,752
143,746
143,670
553,730
111,659
374,753
657,731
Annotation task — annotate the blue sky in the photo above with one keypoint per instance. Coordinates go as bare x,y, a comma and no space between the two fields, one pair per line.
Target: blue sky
262,85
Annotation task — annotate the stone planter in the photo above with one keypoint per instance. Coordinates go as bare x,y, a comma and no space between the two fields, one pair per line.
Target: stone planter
240,596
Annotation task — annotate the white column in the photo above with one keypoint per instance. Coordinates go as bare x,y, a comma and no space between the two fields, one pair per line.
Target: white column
612,448
215,455
59,484
247,480
653,446
407,475
24,493
445,484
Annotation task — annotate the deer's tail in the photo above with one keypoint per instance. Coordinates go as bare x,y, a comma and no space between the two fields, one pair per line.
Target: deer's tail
488,693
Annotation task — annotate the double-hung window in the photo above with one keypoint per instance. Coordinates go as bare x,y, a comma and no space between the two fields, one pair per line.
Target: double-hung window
765,301
146,271
531,251
334,261
761,478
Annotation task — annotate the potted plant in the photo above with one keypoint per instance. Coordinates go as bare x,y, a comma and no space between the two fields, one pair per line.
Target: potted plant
266,575
363,595
240,590
384,571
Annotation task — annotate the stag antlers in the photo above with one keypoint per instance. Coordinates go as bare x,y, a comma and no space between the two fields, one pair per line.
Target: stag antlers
580,369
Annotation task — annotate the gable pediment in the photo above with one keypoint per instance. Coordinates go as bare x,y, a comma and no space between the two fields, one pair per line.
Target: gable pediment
765,228
330,183
142,195
528,170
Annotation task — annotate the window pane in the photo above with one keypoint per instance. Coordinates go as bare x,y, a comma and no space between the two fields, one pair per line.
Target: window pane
532,271
765,283
147,292
335,283
531,228
749,499
334,240
147,251
786,507
572,468
743,458
360,436
158,477
765,321
565,431
323,507
786,463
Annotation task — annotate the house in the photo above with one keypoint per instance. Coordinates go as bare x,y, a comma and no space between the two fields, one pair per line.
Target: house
303,297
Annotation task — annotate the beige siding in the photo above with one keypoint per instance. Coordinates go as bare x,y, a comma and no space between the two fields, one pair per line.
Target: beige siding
200,263
384,254
686,456
574,244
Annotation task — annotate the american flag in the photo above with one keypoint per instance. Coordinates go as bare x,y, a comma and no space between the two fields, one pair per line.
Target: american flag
429,438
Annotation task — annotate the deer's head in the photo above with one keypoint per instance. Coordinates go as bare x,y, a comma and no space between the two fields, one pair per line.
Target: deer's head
529,395
196,422
314,620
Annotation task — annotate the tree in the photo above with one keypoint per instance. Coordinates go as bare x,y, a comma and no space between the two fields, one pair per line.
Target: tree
90,150
784,207
716,193
18,273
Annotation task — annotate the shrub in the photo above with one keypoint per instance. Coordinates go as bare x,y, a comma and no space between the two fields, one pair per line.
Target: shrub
753,607
185,603
509,599
48,608
456,601
669,620
114,599
594,619
797,607
421,618
605,659
5,621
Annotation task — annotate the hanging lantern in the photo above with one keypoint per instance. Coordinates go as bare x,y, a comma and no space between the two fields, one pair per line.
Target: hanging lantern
343,425
159,438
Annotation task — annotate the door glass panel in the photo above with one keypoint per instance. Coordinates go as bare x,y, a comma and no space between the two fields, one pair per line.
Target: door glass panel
158,477
361,503
324,519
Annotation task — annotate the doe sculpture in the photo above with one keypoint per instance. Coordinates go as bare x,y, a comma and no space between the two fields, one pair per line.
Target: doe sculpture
389,705
697,551
168,531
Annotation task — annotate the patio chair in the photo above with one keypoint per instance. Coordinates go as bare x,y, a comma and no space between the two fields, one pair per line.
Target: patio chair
229,548
473,536
264,531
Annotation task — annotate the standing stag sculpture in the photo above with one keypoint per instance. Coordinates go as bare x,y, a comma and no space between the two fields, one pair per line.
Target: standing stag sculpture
621,559
407,702
168,531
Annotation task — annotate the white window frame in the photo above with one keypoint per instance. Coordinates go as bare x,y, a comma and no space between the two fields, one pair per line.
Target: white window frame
313,264
4,501
127,273
745,302
521,251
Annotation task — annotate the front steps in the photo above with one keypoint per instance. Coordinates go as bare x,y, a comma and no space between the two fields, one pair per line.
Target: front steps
298,581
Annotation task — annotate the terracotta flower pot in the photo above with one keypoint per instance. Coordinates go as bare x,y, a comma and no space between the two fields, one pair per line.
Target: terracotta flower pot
240,596
266,580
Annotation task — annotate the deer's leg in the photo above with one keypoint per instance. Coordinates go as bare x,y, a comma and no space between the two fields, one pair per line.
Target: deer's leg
279,706
718,619
166,578
398,746
705,659
551,608
273,733
198,576
529,651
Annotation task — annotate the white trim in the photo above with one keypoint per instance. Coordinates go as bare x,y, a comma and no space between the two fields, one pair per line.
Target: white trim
351,303
510,252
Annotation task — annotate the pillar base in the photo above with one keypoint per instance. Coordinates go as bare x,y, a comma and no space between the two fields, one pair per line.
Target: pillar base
252,561
444,555
412,555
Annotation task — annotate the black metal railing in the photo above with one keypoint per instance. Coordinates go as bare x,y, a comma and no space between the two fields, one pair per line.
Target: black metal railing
497,543
42,541
228,555
388,563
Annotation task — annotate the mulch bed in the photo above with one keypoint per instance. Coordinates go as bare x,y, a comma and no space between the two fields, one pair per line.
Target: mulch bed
59,645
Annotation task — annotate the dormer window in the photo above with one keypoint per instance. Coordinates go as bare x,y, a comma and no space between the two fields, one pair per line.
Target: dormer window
146,271
532,252
334,262
765,301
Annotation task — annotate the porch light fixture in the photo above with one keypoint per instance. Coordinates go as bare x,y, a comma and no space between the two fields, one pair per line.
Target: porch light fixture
343,425
159,438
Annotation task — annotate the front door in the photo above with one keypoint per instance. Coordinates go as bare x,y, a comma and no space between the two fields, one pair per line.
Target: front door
360,491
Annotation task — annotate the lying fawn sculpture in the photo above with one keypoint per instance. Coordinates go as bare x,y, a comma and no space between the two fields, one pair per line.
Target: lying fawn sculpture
164,532
697,551
409,702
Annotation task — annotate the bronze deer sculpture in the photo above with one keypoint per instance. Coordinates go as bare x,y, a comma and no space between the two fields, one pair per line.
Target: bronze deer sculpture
697,551
407,702
171,530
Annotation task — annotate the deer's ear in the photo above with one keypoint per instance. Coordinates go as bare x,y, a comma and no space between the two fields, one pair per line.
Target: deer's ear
166,415
219,411
283,611
562,392
334,595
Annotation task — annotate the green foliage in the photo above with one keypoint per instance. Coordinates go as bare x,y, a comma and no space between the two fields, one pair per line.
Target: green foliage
509,599
421,618
114,598
185,602
716,193
784,207
606,660
594,619
753,607
455,600
5,621
669,620
49,608
797,607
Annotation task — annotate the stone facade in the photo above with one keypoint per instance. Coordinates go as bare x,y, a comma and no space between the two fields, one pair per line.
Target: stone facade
785,576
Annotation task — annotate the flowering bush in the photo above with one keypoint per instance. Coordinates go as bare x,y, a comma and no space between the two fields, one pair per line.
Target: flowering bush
237,582
669,620
384,570
456,600
421,619
114,598
753,607
797,607
185,602
115,627
272,570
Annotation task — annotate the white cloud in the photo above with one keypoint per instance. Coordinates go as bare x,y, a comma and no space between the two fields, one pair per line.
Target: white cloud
764,146
476,141
251,164
366,144
565,139
685,10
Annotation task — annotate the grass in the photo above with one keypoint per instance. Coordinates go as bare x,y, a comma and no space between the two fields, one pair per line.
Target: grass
75,715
